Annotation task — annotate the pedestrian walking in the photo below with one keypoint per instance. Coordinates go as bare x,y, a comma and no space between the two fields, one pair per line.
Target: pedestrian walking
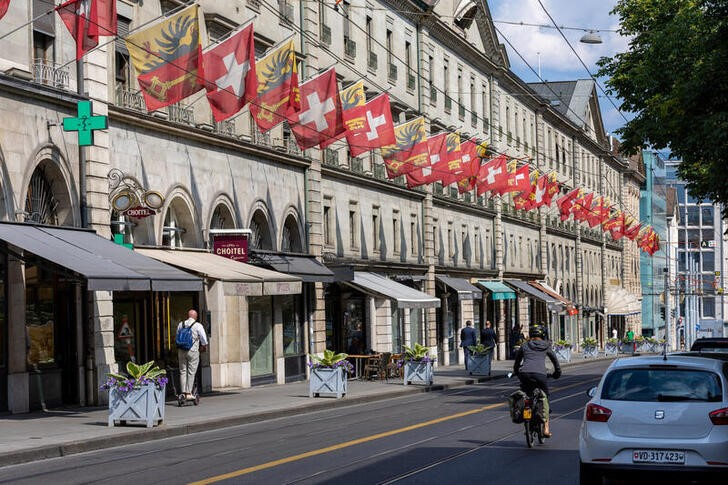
468,337
517,338
488,337
191,339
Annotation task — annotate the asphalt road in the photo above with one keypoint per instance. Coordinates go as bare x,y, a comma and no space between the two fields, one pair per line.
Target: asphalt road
462,435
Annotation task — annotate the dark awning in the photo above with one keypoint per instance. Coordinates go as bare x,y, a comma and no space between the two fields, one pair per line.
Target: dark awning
308,268
551,302
105,265
464,289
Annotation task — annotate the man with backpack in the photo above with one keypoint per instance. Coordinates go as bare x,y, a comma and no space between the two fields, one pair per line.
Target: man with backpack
191,339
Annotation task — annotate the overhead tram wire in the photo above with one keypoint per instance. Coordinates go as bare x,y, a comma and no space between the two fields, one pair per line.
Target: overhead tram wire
294,27
581,60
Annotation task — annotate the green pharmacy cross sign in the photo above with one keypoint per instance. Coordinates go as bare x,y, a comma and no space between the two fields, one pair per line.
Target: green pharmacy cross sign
85,124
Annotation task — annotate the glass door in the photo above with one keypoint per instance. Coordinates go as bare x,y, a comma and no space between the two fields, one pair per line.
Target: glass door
260,325
453,310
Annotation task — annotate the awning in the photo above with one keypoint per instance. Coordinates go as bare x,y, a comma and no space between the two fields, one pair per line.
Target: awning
551,303
622,302
498,291
405,296
464,289
569,306
238,278
105,266
308,268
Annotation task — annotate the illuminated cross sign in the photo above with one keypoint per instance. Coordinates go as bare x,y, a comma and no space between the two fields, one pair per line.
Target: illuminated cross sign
85,124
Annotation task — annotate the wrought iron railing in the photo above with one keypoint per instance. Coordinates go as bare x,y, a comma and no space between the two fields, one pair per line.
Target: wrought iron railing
128,99
181,114
49,74
224,127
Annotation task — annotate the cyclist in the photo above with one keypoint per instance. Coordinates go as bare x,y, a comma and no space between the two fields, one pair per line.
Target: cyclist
530,367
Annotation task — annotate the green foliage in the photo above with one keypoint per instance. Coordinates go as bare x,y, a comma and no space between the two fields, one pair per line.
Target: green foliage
562,344
416,352
480,349
137,372
613,341
589,342
329,358
673,79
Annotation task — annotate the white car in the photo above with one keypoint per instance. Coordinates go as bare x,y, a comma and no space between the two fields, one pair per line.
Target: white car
651,414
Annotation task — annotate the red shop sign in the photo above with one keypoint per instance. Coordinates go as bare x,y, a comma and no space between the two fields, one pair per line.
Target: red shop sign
139,212
233,246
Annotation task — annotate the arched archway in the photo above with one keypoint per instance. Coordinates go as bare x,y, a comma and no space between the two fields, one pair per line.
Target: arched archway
222,217
47,197
180,230
261,235
291,239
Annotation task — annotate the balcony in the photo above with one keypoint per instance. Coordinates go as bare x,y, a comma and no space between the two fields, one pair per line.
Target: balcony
461,111
433,95
392,72
49,74
130,100
372,61
326,34
411,81
292,147
330,157
349,48
261,138
448,103
224,127
379,171
181,114
356,164
437,188
486,125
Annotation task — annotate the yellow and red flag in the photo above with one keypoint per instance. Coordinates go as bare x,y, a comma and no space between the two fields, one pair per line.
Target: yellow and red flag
566,202
409,150
353,100
447,168
553,187
437,149
278,95
525,199
470,165
167,58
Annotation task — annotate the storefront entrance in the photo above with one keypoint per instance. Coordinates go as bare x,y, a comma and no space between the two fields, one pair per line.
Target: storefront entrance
260,321
345,320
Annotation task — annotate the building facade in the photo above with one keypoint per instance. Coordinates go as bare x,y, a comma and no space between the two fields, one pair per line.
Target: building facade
700,236
341,257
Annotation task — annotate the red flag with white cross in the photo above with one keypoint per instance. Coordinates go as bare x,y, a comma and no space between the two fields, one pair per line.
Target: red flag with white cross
523,200
379,127
437,148
566,202
319,121
493,175
447,169
519,180
230,70
470,163
87,20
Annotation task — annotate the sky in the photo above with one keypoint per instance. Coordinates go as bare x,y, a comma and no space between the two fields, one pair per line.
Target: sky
558,62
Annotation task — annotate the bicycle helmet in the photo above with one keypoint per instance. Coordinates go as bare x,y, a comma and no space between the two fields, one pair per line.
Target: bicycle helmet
536,331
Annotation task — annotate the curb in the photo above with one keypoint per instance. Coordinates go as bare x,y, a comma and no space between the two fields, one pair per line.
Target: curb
145,434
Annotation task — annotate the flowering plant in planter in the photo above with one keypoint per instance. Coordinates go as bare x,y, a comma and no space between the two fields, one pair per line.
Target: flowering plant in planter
138,376
331,360
562,344
589,342
418,353
479,350
612,341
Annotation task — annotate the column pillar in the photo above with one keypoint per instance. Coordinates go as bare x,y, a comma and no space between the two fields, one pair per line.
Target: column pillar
18,377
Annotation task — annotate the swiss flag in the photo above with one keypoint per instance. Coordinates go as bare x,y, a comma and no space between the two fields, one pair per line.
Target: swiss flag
447,169
493,176
230,70
379,127
538,197
470,166
519,180
319,122
87,20
566,202
523,200
582,206
437,148
553,187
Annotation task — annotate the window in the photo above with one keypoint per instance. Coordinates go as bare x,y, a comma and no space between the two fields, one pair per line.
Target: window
395,231
460,86
446,85
463,238
485,108
389,51
473,96
353,225
369,34
375,227
408,56
707,215
450,241
431,81
693,215
662,385
328,222
476,244
708,261
347,22
435,237
413,234
509,133
708,306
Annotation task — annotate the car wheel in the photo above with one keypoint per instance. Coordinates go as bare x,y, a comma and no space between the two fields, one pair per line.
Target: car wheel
588,476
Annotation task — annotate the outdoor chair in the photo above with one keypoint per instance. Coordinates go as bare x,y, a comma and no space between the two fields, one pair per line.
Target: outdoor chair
394,368
372,367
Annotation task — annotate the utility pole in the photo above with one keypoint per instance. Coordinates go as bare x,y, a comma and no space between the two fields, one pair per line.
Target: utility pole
667,305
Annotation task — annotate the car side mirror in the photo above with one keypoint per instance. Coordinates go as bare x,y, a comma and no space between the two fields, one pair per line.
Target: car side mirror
592,392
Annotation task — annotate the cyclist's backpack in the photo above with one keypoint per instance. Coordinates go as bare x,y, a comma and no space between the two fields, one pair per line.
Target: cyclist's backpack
516,404
539,407
184,339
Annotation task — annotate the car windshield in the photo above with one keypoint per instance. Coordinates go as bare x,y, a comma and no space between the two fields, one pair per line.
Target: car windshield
662,385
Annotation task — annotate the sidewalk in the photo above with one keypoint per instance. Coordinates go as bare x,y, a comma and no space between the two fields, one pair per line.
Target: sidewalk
40,435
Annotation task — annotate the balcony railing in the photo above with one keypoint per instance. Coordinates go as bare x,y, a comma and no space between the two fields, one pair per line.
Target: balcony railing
379,171
127,99
326,34
49,74
292,147
356,164
372,61
411,81
392,72
181,114
261,138
224,127
350,48
254,4
286,10
331,157
437,188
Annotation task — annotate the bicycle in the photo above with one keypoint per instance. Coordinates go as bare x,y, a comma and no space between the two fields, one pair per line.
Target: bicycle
531,416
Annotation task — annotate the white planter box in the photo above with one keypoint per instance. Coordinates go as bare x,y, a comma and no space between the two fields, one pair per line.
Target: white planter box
591,352
141,406
479,365
418,373
627,348
328,382
564,354
611,349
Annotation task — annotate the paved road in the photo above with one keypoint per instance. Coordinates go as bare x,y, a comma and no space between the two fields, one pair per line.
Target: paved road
457,436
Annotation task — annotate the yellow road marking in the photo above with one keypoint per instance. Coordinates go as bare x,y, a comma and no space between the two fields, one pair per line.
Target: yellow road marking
358,441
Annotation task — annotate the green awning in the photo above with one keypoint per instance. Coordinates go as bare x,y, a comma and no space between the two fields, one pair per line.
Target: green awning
498,291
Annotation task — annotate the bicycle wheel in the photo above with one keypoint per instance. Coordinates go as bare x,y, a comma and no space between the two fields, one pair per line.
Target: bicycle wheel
529,436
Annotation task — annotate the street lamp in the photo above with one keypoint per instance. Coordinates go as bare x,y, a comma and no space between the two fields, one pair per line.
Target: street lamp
591,37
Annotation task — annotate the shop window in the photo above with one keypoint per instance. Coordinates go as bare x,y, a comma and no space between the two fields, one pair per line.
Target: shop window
708,261
708,307
260,322
39,316
40,202
292,324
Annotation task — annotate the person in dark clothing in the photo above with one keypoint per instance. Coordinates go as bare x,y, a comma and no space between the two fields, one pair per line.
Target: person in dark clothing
468,337
488,337
530,367
516,339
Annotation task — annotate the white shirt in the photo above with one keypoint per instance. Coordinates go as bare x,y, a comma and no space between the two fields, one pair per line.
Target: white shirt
198,333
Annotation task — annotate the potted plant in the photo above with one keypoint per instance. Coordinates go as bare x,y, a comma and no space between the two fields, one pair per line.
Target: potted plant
417,365
137,397
627,346
562,349
329,374
589,347
611,347
479,360
650,344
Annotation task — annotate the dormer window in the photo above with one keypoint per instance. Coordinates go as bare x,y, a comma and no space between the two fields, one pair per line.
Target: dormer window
465,14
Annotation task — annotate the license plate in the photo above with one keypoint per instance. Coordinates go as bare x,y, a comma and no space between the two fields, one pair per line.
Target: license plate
658,456
527,413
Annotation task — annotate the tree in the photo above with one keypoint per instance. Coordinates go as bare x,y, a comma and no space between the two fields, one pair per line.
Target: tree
674,79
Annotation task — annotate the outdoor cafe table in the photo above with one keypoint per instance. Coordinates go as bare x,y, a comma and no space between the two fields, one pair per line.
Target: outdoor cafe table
359,362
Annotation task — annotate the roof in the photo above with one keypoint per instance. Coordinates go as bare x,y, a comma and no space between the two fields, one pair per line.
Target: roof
682,360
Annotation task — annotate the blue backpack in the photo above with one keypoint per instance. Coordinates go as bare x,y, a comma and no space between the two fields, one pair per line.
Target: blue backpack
184,339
